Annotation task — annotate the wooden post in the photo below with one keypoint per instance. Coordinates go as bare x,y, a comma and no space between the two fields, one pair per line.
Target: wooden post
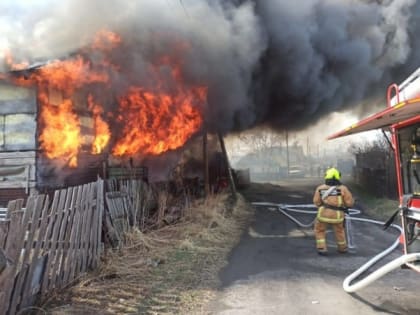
287,153
206,165
232,182
104,170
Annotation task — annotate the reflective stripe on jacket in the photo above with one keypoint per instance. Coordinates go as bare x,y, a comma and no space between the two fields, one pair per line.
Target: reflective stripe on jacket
330,216
339,197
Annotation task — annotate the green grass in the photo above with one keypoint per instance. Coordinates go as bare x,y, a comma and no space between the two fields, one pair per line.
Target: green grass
376,207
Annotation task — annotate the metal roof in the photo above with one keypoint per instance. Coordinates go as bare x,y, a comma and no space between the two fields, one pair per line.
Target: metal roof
389,116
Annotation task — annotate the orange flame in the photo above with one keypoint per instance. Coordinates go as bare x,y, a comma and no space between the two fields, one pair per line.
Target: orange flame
106,40
69,75
153,120
59,135
11,63
155,123
60,138
158,121
102,132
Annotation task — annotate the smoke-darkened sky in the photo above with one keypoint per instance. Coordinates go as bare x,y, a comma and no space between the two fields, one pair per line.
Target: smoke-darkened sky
285,64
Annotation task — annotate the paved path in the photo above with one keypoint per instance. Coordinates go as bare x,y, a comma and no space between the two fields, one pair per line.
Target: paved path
276,270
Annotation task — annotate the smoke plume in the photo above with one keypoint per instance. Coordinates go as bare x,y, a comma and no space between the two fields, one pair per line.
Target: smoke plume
285,64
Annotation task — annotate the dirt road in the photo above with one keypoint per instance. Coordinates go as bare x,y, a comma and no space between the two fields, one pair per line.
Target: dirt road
276,270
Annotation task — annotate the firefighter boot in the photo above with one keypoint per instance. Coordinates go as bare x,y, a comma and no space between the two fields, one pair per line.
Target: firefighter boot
322,252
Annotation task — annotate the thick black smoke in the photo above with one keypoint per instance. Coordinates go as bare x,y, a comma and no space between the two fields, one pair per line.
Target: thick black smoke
266,62
326,56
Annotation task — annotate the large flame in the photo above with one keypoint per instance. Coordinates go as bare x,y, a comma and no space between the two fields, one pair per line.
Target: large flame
60,138
68,75
102,132
148,121
59,134
157,122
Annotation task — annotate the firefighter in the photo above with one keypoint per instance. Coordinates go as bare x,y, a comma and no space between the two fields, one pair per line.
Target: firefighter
332,199
415,162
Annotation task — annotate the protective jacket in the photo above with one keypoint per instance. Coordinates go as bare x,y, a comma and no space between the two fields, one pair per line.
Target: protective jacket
332,202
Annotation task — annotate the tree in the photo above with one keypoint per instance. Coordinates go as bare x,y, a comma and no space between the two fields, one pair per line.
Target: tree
380,143
261,139
375,169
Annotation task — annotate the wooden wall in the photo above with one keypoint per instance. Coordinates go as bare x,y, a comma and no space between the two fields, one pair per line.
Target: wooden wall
18,110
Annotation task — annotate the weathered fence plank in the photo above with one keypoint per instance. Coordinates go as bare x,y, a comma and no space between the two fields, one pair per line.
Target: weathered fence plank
56,215
87,221
67,277
33,282
100,210
124,208
93,230
66,241
60,238
47,239
76,240
50,246
82,233
33,209
14,244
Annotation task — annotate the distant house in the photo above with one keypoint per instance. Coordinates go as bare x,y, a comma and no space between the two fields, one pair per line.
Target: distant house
271,163
345,166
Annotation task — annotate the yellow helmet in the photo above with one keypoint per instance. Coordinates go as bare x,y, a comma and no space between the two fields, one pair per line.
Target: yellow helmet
332,173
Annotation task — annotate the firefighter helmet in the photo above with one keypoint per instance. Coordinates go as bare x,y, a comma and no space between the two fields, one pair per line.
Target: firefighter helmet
332,173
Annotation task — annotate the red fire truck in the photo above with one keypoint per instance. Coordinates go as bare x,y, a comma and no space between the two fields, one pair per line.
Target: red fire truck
402,119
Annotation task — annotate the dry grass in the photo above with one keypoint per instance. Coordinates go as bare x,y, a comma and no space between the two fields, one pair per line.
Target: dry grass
173,270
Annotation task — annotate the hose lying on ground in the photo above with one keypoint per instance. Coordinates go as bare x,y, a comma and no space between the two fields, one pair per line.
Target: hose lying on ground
396,263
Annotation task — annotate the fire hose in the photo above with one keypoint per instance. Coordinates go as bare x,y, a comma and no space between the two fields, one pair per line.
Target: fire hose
347,286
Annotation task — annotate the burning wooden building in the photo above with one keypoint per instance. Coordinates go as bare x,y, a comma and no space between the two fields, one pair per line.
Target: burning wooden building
18,111
62,122
26,144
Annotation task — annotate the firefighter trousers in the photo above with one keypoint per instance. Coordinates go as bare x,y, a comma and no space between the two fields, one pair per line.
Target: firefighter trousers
320,235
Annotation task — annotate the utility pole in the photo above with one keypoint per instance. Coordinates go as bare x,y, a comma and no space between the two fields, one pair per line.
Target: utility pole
287,153
229,169
308,152
206,165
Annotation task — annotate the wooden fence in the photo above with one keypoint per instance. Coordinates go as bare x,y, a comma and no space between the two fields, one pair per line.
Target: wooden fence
48,245
375,172
127,204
